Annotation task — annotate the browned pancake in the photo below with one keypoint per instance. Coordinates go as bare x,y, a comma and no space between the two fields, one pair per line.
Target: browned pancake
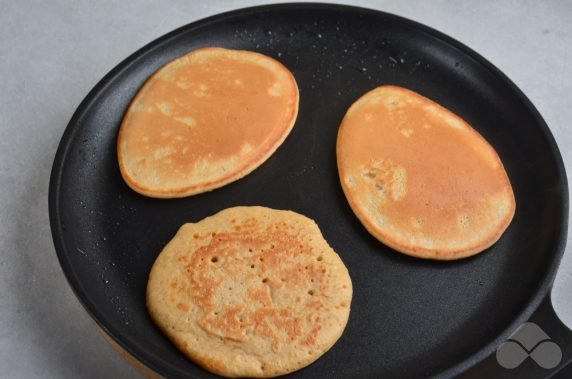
419,178
204,120
250,292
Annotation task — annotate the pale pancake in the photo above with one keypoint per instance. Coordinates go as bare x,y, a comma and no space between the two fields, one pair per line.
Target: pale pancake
204,120
419,178
250,291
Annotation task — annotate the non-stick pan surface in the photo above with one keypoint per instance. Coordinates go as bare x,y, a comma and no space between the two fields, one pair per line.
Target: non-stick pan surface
409,317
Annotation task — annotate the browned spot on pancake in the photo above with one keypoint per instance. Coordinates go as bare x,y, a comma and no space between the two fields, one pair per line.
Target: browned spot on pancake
227,324
260,296
183,307
310,339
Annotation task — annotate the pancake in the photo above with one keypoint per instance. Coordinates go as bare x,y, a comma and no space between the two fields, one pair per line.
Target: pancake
419,178
250,292
205,120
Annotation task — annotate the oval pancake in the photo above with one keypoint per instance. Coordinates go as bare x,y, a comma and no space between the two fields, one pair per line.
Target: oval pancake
250,292
419,178
204,120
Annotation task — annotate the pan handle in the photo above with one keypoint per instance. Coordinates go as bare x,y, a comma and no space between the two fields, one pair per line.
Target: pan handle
540,348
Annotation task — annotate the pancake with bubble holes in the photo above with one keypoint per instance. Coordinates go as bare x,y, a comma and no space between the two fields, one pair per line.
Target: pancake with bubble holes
419,178
204,120
250,292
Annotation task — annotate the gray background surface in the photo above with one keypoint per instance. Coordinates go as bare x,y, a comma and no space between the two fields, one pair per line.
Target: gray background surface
53,52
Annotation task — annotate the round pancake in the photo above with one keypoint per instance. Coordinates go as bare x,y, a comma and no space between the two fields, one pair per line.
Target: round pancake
419,178
250,292
204,120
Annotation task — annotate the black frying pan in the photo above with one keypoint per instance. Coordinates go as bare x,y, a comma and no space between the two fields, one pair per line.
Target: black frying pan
410,317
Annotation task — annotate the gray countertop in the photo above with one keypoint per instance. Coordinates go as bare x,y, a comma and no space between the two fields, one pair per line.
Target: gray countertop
53,52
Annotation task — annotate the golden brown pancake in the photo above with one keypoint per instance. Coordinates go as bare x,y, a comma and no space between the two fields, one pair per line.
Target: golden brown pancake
204,120
419,178
250,292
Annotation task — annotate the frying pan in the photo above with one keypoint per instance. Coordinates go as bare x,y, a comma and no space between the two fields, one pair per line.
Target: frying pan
409,317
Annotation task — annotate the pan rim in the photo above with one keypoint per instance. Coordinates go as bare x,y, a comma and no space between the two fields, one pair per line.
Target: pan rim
164,367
